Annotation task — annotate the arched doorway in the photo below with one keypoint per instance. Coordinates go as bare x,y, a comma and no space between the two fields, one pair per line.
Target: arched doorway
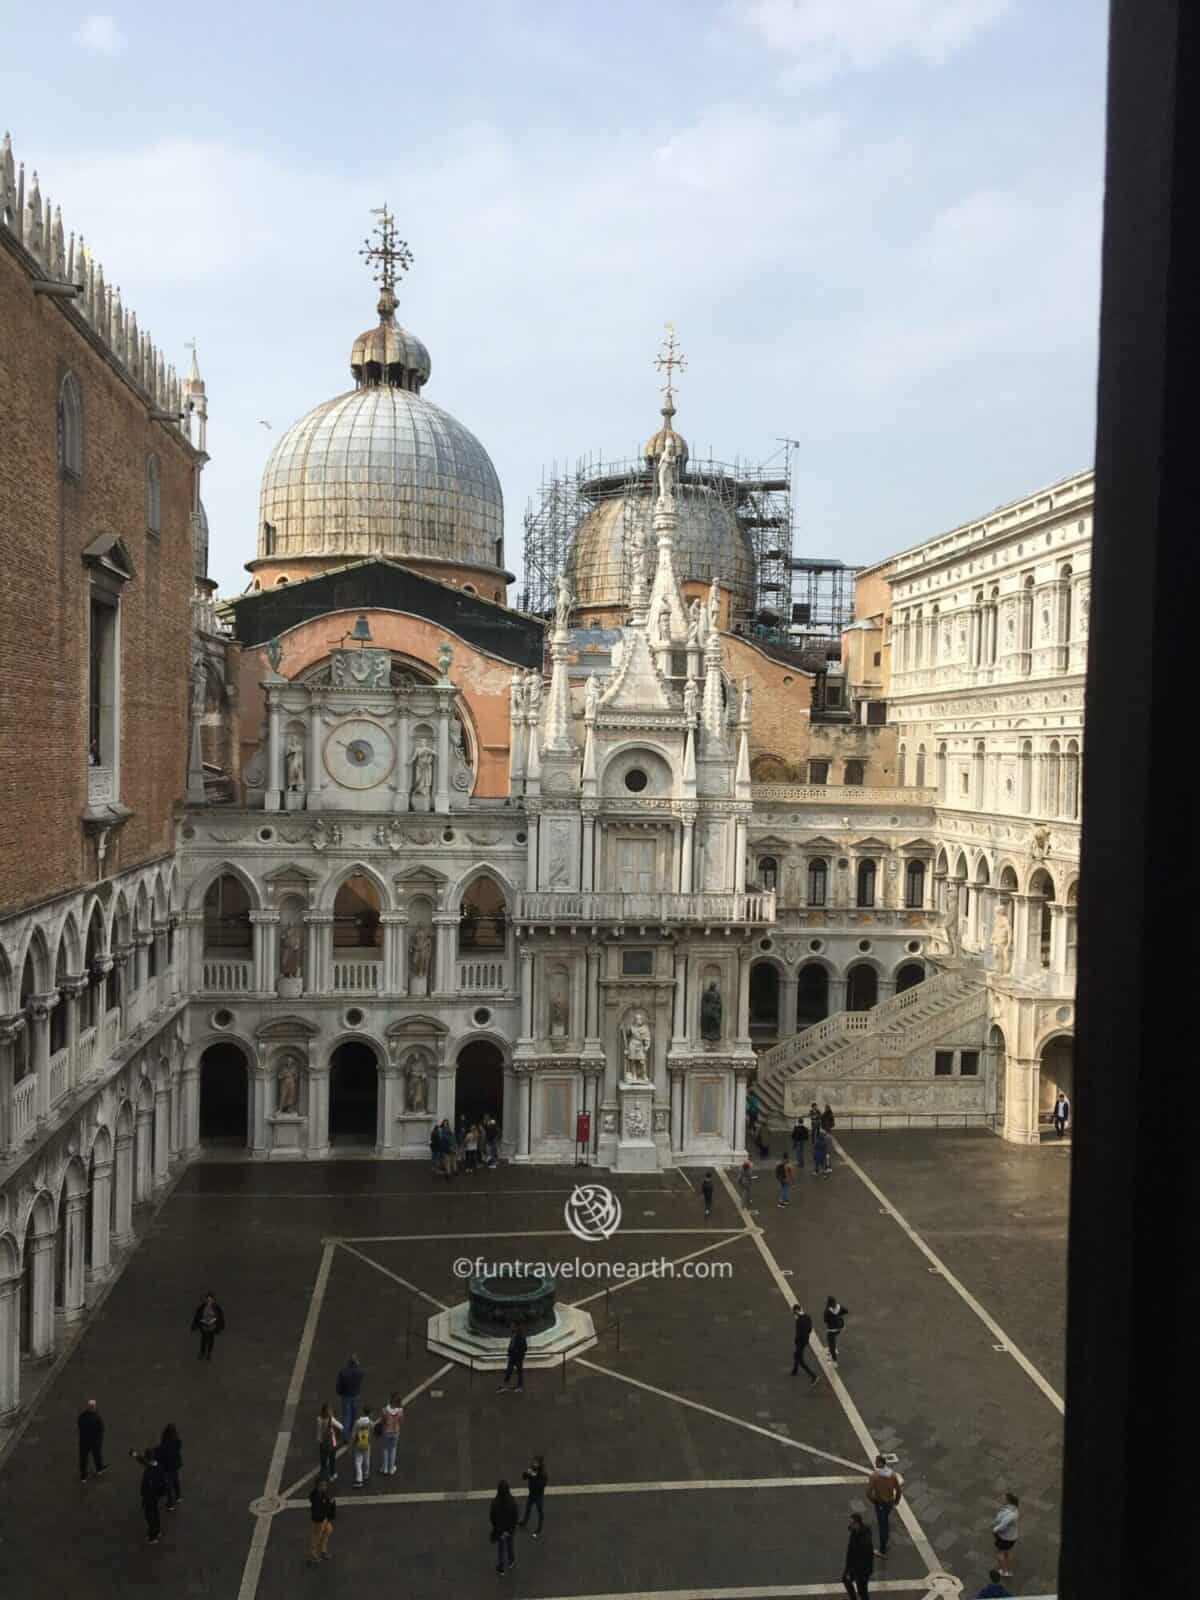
479,1081
862,987
353,1094
1057,1072
764,1000
998,1060
910,975
224,1093
812,995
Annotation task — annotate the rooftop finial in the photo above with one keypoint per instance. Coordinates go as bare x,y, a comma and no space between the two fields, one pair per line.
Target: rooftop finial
670,359
387,256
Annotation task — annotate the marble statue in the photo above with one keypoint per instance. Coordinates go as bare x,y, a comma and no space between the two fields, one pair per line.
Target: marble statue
516,694
290,957
416,1090
666,473
458,741
420,948
710,1011
533,694
287,1091
693,627
445,656
746,698
558,1016
422,775
636,1041
199,688
664,625
1039,845
691,699
1001,939
564,603
294,763
591,696
714,603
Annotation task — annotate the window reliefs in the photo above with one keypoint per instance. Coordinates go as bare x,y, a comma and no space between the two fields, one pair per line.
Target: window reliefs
153,495
109,570
70,428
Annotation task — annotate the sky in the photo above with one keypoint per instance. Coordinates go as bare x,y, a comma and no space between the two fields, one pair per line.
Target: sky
875,225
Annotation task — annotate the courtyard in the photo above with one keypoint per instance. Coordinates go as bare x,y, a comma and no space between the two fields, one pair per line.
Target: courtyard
684,1459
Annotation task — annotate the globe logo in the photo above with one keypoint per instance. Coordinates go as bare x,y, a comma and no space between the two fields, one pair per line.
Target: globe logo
592,1212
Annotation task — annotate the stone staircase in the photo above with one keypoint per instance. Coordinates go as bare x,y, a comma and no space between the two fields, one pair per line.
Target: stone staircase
853,1042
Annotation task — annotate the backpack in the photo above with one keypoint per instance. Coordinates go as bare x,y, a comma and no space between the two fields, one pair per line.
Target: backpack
780,1171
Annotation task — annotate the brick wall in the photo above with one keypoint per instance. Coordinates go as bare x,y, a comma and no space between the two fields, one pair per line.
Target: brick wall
45,524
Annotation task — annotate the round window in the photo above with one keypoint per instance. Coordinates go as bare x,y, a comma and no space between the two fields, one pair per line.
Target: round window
448,836
354,1017
266,834
636,780
843,863
764,944
913,947
222,1018
481,1017
864,944
521,837
816,944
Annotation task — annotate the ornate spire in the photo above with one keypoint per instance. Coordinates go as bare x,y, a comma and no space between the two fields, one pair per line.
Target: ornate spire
670,359
387,255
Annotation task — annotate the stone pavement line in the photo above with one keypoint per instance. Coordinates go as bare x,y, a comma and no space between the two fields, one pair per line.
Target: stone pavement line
960,1289
401,1194
906,1513
774,1592
252,1572
421,1497
724,1416
395,1276
514,1233
650,1277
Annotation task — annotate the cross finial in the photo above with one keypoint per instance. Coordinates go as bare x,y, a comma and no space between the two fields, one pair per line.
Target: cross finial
386,254
670,360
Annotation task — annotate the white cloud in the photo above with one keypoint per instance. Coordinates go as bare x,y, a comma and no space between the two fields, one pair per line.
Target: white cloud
822,38
101,34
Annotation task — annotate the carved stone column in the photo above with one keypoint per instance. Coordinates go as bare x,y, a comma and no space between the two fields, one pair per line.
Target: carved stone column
686,852
445,932
442,776
531,851
1058,937
526,956
37,1009
10,1345
592,1028
391,1104
189,1101
41,1310
319,953
121,961
524,1101
265,926
143,1155
679,1010
162,1135
102,1174
272,795
260,1085
10,1030
402,775
74,1288
161,964
318,1109
587,867
737,1140
837,994
395,924
739,857
312,763
1020,937
70,991
123,1190
743,996
678,1082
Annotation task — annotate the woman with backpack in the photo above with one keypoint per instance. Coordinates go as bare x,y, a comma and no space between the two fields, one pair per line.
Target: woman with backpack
361,1441
835,1322
329,1438
503,1516
390,1419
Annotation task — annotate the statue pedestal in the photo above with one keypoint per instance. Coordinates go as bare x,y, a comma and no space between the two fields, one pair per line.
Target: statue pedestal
636,1149
289,1135
289,988
293,799
418,987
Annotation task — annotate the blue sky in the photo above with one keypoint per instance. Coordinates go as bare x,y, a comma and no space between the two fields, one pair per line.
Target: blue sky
874,223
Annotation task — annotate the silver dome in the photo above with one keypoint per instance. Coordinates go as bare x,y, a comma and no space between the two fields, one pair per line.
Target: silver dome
380,471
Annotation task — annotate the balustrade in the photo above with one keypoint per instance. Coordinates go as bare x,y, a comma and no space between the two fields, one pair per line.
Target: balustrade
112,1034
24,1108
224,976
757,906
85,1054
60,1074
357,977
482,977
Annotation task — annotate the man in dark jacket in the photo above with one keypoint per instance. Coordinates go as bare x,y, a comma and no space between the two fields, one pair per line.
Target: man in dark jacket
208,1321
503,1516
860,1559
517,1346
803,1333
348,1388
91,1440
154,1486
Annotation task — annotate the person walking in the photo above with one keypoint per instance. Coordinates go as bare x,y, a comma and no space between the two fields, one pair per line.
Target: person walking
329,1438
814,1118
762,1138
1004,1533
503,1514
835,1322
860,1559
706,1189
446,1148
361,1441
323,1501
745,1179
348,1387
799,1140
170,1461
517,1346
536,1479
1061,1114
435,1147
209,1321
91,1440
391,1417
994,1589
820,1152
828,1120
471,1149
153,1487
491,1130
785,1173
827,1126
802,1324
884,1488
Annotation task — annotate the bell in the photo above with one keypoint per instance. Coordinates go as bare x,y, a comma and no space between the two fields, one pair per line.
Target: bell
362,630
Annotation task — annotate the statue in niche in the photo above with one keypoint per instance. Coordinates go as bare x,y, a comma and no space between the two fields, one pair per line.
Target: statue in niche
691,698
591,696
420,949
516,694
564,602
287,1087
324,834
746,698
458,741
1001,939
636,1042
445,656
416,1087
714,604
294,764
558,1016
533,694
666,473
422,776
693,627
291,963
664,626
710,1011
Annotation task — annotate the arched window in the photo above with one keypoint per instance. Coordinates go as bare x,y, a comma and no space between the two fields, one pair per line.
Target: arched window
1052,799
977,773
1025,796
853,774
356,914
993,626
941,772
483,918
1071,780
934,625
1065,605
818,881
920,766
768,872
914,885
902,767
227,929
153,495
70,428
866,883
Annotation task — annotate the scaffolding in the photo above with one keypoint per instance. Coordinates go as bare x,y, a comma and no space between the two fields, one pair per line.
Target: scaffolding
822,595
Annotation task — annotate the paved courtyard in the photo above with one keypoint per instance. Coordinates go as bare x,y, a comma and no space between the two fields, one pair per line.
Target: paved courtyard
684,1459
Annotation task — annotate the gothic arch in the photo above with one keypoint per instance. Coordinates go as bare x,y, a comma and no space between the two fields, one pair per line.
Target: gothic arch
355,869
483,869
101,1146
72,1179
120,924
92,916
37,953
69,945
40,1220
141,909
158,897
1040,870
201,885
10,1257
7,999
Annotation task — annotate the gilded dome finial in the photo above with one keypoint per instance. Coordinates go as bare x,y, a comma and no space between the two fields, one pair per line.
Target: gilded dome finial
670,360
387,256
388,354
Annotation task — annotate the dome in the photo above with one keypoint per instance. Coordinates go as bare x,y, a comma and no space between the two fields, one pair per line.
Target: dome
709,542
380,471
653,447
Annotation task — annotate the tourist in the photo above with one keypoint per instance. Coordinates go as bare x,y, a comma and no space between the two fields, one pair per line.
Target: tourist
993,1589
170,1460
799,1140
744,1179
803,1333
329,1437
785,1173
503,1514
517,1346
447,1148
827,1124
828,1120
471,1148
349,1387
835,1322
361,1440
1061,1114
814,1119
1004,1533
491,1130
860,1559
324,1513
762,1138
536,1479
209,1320
884,1488
391,1417
820,1152
753,1105
153,1487
706,1189
435,1147
91,1440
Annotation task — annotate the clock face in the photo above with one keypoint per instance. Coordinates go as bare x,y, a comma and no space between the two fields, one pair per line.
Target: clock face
359,754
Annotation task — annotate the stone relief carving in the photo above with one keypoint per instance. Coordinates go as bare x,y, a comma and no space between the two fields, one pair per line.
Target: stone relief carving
291,959
390,835
360,669
294,764
325,834
711,1010
424,763
635,1123
608,1122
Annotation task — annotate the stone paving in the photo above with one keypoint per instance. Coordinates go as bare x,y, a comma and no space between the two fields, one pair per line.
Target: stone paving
698,1391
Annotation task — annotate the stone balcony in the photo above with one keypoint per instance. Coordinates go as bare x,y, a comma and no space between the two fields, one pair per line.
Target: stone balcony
838,794
593,908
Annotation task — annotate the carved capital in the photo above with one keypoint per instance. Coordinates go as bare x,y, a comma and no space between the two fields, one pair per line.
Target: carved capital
39,1006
